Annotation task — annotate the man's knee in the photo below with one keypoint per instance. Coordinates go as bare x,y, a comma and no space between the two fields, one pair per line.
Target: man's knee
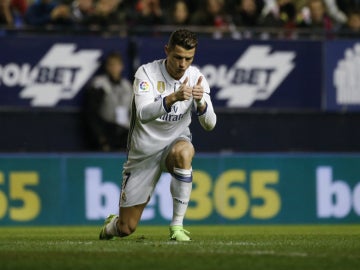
184,152
125,228
128,219
187,152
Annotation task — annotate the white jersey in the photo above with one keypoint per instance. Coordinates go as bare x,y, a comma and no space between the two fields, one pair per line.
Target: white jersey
153,126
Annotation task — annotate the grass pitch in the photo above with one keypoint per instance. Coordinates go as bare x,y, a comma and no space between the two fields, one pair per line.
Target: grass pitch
213,247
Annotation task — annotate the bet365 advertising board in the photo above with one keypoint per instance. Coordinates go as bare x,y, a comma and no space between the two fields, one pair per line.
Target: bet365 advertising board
227,189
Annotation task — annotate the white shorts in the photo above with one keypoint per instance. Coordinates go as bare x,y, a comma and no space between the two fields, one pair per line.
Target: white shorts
141,176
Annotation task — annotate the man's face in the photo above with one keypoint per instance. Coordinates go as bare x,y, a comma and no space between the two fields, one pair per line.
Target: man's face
181,12
85,4
354,22
249,6
178,60
317,11
114,67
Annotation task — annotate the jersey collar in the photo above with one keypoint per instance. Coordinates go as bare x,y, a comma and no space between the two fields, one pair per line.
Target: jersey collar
167,76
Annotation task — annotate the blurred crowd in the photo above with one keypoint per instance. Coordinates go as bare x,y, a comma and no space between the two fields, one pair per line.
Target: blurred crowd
230,14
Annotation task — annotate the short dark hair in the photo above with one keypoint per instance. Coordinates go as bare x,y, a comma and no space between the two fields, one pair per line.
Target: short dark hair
113,55
183,38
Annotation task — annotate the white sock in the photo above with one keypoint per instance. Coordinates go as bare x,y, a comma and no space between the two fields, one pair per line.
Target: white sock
180,191
111,228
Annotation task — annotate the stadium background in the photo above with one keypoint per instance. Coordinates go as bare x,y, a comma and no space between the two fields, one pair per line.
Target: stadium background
288,155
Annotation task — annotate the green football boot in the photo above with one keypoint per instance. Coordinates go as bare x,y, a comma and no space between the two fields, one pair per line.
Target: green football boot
103,235
178,233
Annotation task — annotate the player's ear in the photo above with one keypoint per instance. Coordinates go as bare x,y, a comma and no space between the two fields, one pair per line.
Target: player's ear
166,50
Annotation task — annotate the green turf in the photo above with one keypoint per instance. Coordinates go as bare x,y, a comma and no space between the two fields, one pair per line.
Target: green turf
213,247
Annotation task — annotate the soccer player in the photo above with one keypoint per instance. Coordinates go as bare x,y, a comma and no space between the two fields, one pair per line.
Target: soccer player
166,92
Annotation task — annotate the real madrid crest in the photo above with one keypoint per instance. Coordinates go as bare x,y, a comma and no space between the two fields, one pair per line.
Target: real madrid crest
161,86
